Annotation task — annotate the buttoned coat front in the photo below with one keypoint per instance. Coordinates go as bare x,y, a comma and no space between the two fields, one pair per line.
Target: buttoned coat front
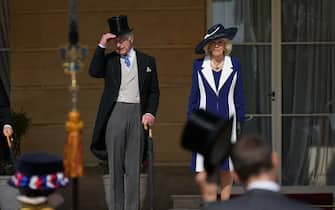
225,100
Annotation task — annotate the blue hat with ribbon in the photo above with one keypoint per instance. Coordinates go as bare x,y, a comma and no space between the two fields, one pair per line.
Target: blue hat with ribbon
215,32
39,174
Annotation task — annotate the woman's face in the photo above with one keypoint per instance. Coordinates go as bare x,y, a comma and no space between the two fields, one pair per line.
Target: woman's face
216,47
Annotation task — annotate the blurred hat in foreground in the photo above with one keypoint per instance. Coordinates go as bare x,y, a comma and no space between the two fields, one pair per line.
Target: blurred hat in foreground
208,135
39,174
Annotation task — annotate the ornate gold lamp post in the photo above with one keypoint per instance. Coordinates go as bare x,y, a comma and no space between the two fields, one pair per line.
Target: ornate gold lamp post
73,57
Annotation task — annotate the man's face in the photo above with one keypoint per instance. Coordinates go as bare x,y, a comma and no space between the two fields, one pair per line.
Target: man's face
123,44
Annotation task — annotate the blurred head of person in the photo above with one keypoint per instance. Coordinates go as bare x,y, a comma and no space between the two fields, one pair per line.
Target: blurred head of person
253,160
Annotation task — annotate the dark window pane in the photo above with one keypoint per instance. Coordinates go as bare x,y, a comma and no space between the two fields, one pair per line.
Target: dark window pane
260,126
256,73
308,74
253,18
308,20
308,150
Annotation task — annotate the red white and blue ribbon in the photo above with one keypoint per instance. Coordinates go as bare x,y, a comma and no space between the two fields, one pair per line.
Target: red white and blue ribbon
42,182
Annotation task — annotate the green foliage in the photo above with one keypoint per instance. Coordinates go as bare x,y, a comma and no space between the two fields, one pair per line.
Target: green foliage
21,123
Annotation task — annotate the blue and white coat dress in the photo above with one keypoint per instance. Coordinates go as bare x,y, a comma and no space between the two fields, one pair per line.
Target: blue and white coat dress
226,99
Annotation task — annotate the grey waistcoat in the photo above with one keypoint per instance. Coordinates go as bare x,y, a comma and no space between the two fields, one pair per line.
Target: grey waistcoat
129,90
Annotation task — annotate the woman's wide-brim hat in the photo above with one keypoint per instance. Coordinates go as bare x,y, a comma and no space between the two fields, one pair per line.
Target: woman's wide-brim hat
118,25
215,32
37,173
209,135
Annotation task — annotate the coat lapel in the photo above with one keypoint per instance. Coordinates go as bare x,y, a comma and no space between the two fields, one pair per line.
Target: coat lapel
141,68
208,74
226,71
116,66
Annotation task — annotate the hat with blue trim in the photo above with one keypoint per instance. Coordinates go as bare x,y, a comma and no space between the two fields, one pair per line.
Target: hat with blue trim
215,32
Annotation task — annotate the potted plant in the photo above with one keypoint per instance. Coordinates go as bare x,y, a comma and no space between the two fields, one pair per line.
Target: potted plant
103,167
21,123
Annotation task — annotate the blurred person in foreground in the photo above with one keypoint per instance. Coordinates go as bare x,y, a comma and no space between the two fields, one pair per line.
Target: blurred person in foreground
256,167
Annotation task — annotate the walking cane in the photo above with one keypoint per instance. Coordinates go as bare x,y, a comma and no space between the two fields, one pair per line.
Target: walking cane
150,168
9,142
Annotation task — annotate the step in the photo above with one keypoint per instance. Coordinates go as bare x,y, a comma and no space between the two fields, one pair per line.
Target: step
186,201
184,209
194,201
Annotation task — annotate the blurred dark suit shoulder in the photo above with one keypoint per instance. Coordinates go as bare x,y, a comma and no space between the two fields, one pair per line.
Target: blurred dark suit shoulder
259,200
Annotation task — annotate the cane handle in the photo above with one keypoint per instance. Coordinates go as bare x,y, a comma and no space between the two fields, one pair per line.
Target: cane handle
8,141
146,127
150,132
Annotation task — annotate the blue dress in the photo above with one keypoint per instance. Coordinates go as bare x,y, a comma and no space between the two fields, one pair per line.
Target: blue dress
218,93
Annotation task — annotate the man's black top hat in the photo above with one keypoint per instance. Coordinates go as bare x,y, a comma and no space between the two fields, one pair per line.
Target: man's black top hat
215,32
208,135
118,25
39,174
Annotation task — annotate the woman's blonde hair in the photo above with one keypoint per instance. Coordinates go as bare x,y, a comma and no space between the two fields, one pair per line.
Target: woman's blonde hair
228,47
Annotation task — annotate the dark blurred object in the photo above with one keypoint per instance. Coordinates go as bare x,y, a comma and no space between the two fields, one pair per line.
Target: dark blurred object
4,119
37,177
10,146
150,159
21,123
210,136
73,32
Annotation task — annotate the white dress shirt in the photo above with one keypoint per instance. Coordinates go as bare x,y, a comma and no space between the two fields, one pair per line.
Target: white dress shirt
264,185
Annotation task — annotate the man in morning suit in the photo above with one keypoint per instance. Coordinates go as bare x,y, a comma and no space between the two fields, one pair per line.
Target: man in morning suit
256,168
129,101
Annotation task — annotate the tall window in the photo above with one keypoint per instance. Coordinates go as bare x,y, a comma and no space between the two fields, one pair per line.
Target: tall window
308,73
307,86
252,45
